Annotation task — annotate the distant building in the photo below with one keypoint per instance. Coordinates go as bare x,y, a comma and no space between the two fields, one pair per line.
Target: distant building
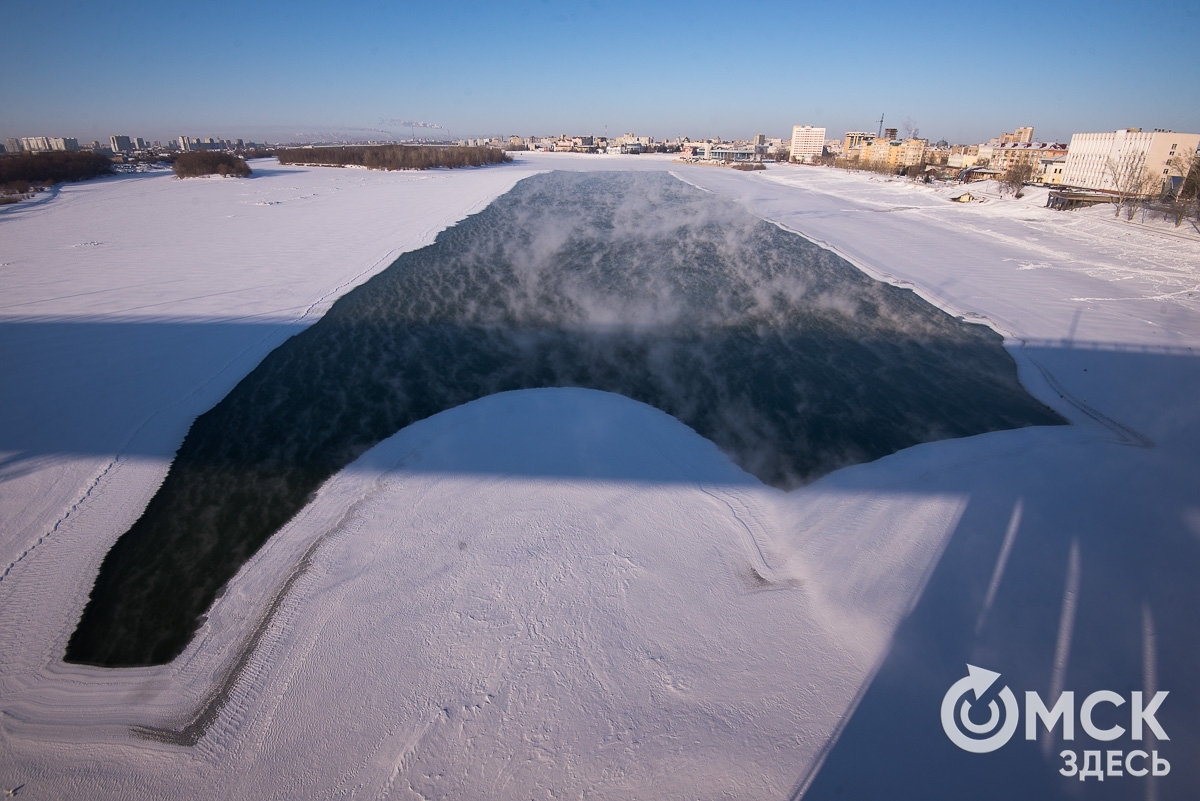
807,142
14,145
35,144
963,156
893,154
910,153
730,153
64,143
937,156
1097,160
1011,154
632,139
120,144
189,143
1050,171
855,139
1021,135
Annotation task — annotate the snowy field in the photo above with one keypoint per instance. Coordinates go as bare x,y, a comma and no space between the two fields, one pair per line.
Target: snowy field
564,593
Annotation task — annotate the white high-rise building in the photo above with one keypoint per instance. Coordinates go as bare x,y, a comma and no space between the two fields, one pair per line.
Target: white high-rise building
1100,160
35,144
807,142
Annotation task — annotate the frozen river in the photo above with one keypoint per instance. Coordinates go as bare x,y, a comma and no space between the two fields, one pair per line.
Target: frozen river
786,356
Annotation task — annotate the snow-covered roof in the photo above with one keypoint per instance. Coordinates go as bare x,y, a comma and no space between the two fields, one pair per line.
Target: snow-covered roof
1032,146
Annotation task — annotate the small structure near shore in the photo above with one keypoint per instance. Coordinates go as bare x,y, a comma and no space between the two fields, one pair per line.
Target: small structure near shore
1066,199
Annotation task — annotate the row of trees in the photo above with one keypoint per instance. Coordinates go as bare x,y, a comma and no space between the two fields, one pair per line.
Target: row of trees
914,171
210,162
393,157
21,171
1135,187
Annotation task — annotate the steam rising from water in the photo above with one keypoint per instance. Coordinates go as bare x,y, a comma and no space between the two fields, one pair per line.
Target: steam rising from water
783,354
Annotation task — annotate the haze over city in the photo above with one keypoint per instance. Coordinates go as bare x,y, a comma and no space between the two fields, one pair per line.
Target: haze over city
287,71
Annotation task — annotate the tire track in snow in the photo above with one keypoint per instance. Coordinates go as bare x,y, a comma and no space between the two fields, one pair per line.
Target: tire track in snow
218,699
91,487
1125,434
189,733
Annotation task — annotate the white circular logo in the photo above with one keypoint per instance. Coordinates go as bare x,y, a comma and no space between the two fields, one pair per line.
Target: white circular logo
964,696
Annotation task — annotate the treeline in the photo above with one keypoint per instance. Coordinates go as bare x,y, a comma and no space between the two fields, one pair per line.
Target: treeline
210,162
393,157
21,171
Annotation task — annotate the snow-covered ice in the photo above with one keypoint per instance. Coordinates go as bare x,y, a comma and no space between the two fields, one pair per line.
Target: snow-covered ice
565,593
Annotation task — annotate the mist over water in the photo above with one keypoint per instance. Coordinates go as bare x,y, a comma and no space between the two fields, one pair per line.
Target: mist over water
787,357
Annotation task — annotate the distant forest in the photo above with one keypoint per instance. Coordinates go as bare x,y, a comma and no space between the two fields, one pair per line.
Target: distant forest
21,171
210,162
393,157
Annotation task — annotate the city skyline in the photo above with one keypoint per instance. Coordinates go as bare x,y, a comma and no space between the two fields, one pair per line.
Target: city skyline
700,70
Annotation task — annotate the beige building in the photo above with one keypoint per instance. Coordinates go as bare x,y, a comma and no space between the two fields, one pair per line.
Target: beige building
937,156
1108,161
1019,136
855,139
807,142
1050,171
893,154
963,156
1013,153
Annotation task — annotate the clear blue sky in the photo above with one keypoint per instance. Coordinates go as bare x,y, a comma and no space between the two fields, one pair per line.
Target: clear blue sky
273,70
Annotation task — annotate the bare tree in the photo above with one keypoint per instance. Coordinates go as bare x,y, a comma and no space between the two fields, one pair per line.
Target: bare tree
1015,176
1186,202
1132,182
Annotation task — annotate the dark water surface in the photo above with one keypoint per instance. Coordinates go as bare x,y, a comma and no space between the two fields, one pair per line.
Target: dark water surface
783,354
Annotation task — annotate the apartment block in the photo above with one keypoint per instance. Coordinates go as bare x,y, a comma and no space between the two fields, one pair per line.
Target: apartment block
807,142
35,144
1011,154
1019,136
894,153
855,139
